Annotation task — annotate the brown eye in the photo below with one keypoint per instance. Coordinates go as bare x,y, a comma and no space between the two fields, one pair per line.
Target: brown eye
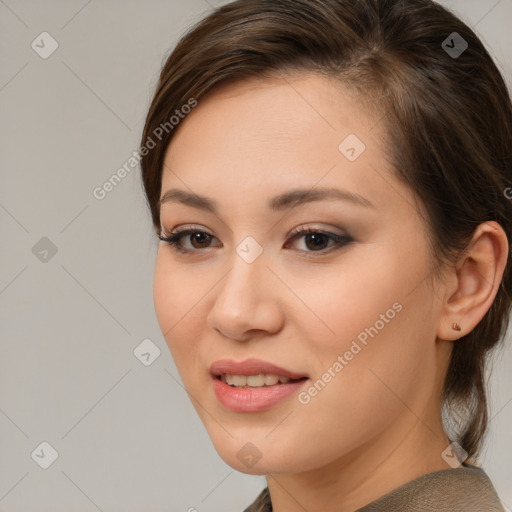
188,240
313,240
200,240
316,241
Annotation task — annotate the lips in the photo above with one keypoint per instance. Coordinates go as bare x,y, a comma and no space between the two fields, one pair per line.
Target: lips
252,367
228,377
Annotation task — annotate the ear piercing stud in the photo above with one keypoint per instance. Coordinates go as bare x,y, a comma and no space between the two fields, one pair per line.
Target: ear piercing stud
456,327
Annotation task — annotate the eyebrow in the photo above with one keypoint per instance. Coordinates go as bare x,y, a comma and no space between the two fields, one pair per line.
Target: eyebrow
280,202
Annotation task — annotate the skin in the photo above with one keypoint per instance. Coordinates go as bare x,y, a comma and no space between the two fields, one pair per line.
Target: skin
377,423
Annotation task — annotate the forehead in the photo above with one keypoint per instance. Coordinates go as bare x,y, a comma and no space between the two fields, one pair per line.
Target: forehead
260,137
277,112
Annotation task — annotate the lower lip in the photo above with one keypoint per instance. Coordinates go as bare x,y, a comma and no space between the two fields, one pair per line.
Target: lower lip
255,399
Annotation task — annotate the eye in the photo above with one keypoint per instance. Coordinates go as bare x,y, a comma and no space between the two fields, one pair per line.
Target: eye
193,239
314,240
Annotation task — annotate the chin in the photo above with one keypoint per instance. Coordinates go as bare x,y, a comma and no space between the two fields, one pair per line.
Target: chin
252,458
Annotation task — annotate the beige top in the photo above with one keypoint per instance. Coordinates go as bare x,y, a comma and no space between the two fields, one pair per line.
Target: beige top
463,489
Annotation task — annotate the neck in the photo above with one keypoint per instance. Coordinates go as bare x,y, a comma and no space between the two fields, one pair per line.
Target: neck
409,448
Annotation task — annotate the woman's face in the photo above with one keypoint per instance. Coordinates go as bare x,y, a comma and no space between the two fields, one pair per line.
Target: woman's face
347,306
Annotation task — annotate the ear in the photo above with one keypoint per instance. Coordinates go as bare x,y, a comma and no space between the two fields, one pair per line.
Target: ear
474,281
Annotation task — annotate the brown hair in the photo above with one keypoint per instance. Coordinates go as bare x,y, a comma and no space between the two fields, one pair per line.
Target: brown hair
448,119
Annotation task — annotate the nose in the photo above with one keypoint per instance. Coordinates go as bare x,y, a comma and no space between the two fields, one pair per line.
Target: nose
247,303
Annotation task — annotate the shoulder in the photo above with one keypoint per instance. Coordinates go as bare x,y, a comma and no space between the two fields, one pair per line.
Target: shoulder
465,488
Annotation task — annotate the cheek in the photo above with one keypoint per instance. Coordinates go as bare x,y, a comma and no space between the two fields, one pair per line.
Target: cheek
167,293
370,333
349,300
176,291
178,300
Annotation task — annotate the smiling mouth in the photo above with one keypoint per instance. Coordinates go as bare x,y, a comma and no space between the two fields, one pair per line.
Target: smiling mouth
256,381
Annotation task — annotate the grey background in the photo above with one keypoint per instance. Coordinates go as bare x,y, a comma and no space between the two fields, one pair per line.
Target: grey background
126,434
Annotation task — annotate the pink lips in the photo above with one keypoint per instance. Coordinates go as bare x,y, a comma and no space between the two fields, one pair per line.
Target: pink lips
251,367
254,399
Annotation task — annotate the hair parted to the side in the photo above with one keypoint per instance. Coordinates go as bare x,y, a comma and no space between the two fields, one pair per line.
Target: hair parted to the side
448,123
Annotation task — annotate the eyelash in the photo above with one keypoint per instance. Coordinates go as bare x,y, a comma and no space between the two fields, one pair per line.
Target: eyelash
339,240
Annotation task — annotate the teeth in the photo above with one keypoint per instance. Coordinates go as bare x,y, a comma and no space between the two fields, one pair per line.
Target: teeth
253,381
239,380
271,380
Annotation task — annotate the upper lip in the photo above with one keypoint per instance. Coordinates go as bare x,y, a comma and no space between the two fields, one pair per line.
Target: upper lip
251,367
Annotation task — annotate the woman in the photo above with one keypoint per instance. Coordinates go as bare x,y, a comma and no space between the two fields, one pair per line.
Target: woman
328,180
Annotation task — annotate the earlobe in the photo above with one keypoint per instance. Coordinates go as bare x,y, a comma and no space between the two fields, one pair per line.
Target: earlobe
477,277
